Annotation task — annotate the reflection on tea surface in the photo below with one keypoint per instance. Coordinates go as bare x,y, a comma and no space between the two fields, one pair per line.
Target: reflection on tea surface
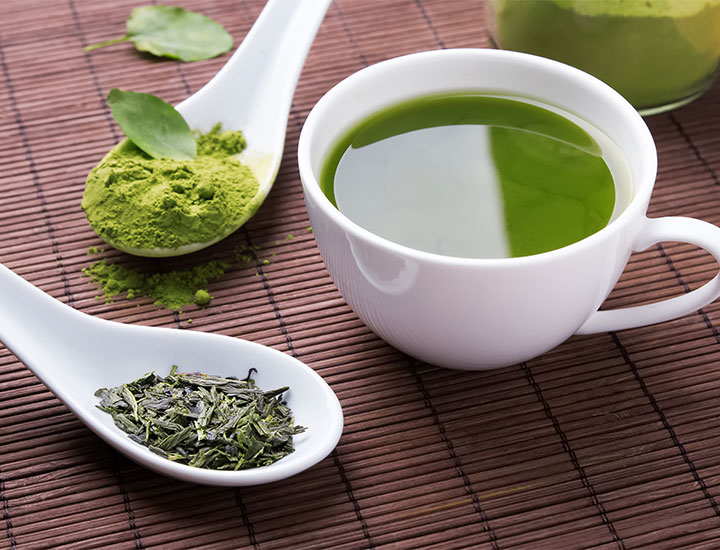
478,176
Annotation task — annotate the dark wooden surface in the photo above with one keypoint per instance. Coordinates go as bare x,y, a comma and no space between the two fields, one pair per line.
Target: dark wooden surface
610,441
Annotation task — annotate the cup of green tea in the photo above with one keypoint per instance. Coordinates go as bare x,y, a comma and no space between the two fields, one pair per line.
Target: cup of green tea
476,207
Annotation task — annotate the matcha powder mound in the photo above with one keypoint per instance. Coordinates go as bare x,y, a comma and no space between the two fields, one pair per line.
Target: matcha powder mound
171,290
135,202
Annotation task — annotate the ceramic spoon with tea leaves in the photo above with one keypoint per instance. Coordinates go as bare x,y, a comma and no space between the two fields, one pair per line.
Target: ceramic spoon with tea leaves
251,94
75,355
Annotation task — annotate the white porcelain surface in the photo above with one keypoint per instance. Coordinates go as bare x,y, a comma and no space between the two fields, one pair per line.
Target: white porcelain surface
485,313
253,92
74,354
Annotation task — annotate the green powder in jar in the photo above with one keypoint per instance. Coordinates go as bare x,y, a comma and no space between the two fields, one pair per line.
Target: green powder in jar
653,52
140,204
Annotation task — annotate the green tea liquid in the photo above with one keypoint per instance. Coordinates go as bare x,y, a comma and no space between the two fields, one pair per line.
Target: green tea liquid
478,176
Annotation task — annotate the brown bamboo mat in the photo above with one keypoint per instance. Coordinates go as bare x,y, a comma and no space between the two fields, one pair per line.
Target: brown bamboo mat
610,441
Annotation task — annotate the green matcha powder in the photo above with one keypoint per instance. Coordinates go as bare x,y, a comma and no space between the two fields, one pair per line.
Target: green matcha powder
171,290
133,201
138,203
654,52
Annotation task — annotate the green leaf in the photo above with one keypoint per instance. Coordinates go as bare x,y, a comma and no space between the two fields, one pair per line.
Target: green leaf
177,33
130,400
153,125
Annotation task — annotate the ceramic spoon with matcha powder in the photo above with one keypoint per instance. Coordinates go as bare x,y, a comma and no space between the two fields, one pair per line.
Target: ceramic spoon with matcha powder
252,93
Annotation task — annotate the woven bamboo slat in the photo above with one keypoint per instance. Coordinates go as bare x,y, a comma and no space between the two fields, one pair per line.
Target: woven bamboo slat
608,442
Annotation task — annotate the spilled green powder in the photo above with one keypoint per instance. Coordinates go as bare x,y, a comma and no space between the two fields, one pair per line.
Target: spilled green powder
245,253
139,204
171,290
202,297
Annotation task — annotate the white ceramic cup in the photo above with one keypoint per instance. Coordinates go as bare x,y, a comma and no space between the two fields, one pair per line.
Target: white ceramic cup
484,313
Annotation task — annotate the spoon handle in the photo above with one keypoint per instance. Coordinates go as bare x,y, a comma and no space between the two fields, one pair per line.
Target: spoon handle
35,326
257,84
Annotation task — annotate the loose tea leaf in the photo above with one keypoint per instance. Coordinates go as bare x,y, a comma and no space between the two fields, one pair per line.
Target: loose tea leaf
203,420
177,33
153,125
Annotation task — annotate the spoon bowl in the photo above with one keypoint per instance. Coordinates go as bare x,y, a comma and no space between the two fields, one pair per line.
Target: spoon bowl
253,93
75,354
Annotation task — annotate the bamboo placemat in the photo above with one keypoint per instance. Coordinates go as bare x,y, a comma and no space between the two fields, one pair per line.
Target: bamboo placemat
610,441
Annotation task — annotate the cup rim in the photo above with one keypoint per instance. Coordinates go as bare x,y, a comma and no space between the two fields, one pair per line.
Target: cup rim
636,208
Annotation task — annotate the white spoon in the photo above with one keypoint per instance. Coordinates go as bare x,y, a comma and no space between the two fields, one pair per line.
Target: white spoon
253,92
74,354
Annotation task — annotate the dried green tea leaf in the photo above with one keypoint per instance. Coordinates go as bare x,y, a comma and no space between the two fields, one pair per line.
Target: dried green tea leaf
203,420
177,33
153,125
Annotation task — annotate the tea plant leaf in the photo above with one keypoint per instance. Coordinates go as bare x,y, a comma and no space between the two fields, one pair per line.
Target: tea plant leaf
203,420
153,125
173,32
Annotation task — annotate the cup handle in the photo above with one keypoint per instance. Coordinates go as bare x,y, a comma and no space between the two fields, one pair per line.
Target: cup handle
655,230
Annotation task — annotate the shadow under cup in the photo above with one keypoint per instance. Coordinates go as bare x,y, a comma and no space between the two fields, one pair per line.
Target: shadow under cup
463,312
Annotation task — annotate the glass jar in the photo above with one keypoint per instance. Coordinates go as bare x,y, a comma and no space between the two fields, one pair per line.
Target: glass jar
659,54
